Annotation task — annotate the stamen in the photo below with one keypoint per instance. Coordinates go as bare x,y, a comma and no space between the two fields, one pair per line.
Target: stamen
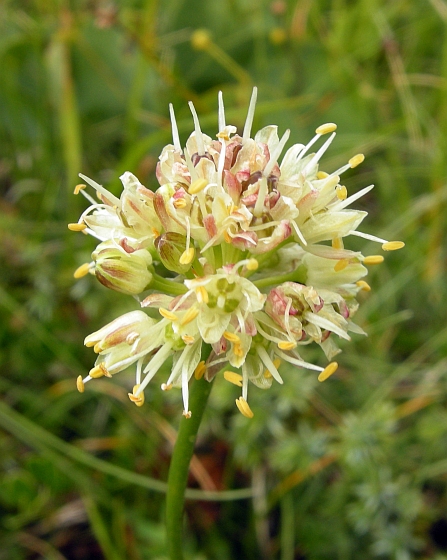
286,345
373,259
363,285
79,188
341,191
231,337
187,256
168,314
356,160
316,158
165,387
252,264
337,206
250,115
99,371
200,370
243,407
233,377
341,265
265,358
326,128
77,227
97,348
197,186
328,371
237,350
188,339
179,203
175,136
187,414
393,245
202,294
322,175
221,111
138,400
337,243
189,316
83,270
298,362
368,236
199,137
262,193
100,190
80,384
276,153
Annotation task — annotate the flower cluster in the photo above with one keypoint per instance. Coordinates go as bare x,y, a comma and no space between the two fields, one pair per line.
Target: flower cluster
238,256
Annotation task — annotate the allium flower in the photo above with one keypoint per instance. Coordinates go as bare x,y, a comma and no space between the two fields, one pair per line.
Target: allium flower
238,249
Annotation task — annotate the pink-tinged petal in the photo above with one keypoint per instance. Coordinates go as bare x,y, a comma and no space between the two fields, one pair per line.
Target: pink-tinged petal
210,225
281,232
233,186
157,300
245,240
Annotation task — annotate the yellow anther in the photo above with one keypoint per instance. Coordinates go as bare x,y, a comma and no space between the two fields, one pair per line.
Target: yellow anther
243,407
131,337
168,314
341,191
373,259
267,374
286,345
393,245
231,337
233,377
97,348
197,186
82,270
363,285
188,339
238,351
341,265
201,39
165,387
187,256
179,203
328,371
277,362
139,401
189,316
356,160
187,414
99,371
337,243
200,370
79,188
252,264
202,294
155,232
76,227
223,135
80,384
322,174
326,128
227,237
90,343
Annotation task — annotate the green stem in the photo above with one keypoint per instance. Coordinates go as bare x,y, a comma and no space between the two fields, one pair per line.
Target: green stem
179,467
298,275
167,286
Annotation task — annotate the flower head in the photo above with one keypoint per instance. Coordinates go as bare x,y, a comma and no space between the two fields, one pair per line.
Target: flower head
240,248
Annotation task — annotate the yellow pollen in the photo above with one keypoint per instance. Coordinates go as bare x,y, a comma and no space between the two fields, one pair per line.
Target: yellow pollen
79,188
227,237
286,345
373,259
243,407
231,337
328,371
82,270
322,174
99,371
165,387
393,245
167,314
187,414
155,232
80,384
202,294
233,377
252,264
277,362
341,265
179,203
90,343
188,339
200,370
341,191
187,256
197,186
356,160
76,227
267,374
97,348
237,349
363,285
223,135
139,401
337,243
189,316
326,128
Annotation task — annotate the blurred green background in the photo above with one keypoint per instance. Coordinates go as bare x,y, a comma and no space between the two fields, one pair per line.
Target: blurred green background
353,468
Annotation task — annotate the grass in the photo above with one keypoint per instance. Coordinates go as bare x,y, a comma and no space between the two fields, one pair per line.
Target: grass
355,467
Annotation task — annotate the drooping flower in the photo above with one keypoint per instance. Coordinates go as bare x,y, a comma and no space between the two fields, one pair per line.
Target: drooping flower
238,249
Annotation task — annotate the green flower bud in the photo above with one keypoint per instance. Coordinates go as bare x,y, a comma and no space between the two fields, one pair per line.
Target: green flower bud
120,271
171,246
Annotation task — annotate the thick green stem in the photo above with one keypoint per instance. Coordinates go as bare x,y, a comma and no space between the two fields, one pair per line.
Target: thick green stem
179,467
298,275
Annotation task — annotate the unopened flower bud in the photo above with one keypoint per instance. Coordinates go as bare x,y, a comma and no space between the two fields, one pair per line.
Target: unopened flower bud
120,271
171,246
